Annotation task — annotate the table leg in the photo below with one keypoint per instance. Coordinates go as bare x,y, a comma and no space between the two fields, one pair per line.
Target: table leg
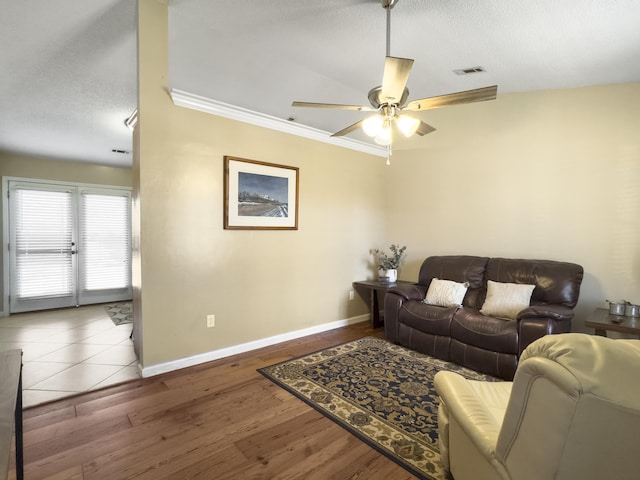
18,432
375,310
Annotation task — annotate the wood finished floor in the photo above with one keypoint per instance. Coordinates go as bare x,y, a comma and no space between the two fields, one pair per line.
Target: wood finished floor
220,420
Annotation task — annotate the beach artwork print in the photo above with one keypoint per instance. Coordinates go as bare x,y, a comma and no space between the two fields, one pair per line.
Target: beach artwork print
260,195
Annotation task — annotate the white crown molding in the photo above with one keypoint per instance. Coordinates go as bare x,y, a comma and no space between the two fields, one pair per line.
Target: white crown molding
207,105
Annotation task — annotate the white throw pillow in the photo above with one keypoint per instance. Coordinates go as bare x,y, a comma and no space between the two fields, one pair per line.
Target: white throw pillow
506,300
445,293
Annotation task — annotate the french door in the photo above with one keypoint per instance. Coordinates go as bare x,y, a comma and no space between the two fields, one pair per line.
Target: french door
69,245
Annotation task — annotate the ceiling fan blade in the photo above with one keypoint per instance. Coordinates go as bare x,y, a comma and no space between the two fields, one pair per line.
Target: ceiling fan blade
348,130
358,108
424,128
394,79
468,96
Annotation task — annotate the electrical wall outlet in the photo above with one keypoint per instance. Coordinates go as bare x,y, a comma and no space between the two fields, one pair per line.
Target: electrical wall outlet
352,295
211,321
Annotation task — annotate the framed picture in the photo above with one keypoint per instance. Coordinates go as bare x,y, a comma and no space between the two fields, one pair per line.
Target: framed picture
259,195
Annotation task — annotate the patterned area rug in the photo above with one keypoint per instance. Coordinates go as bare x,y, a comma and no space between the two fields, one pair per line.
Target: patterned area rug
380,392
120,313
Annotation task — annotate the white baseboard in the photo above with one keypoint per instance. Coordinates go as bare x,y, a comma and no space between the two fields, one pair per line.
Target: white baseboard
172,365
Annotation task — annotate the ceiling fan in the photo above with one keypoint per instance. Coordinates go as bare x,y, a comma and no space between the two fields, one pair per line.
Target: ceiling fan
390,100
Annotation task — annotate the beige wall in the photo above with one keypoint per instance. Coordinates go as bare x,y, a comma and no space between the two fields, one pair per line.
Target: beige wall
552,175
13,165
257,283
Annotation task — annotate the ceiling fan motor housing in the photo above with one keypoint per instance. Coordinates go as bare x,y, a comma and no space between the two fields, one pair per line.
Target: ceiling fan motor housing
376,102
389,3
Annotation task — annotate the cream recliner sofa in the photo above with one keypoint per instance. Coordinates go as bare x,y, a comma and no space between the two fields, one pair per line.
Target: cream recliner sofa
572,412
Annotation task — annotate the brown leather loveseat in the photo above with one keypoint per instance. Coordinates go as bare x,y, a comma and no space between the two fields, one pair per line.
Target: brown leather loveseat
468,331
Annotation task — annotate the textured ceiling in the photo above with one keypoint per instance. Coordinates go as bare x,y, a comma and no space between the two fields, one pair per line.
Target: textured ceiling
68,78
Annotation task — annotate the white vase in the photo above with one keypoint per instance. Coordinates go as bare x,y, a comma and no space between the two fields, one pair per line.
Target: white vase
390,276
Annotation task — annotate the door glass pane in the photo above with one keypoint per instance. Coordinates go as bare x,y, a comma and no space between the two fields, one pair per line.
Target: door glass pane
43,243
105,259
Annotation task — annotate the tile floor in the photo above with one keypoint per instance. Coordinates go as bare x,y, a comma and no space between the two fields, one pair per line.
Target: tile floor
67,351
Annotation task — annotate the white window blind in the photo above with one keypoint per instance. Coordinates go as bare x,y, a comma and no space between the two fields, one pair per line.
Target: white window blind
105,260
43,243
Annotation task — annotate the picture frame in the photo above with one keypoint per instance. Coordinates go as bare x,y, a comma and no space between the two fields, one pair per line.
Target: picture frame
260,195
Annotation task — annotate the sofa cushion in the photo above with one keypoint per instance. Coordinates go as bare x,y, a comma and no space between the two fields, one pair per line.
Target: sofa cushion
446,293
427,318
458,268
470,327
557,283
506,300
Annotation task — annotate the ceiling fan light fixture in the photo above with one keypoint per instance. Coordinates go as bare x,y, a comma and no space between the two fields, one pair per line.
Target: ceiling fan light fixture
384,137
407,124
372,125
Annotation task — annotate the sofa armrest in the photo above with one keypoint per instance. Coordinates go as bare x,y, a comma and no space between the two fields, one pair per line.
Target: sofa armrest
540,414
537,321
556,312
478,407
393,301
409,292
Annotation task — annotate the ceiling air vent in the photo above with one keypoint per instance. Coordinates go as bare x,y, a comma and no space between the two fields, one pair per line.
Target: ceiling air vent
469,71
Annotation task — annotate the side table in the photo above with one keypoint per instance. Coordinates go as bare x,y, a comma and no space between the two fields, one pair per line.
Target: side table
375,301
602,321
11,411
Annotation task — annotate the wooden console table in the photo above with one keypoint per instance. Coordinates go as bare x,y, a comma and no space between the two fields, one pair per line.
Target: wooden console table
375,302
601,320
10,410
